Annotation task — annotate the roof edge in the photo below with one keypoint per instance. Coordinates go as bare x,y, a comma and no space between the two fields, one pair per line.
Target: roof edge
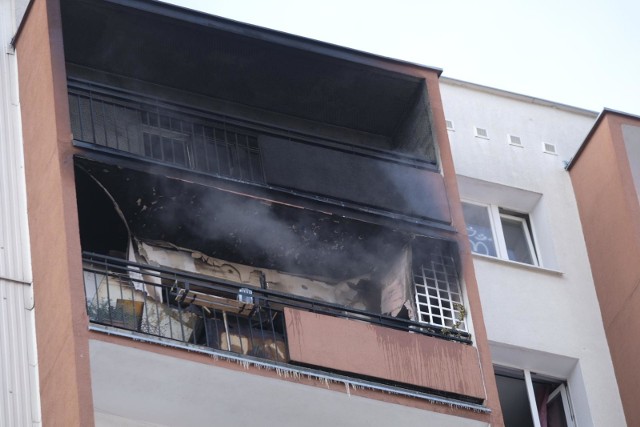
605,111
519,96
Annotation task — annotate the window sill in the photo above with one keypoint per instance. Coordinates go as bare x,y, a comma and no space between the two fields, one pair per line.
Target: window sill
518,264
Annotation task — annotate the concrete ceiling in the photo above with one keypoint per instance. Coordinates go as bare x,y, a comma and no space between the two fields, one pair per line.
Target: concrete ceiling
238,63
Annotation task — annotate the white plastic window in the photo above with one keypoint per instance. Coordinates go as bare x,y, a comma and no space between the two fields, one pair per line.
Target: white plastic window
528,399
497,232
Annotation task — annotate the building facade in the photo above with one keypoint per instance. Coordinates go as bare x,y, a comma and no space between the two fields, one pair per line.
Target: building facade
230,224
605,174
540,307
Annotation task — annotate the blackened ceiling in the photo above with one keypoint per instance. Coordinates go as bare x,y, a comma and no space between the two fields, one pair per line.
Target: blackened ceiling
243,65
228,225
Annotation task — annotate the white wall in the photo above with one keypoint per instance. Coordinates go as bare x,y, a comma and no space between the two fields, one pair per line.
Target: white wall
547,318
19,397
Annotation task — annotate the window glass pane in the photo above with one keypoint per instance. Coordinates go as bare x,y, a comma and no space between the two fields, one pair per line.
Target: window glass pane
479,229
555,415
515,237
514,401
551,410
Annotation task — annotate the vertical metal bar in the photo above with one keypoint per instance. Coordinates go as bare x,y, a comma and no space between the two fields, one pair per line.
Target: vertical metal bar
284,334
215,145
79,117
438,281
216,321
145,317
181,314
203,138
226,329
242,349
190,145
236,145
251,339
273,333
175,282
160,332
93,121
448,286
104,124
108,292
114,112
227,149
249,162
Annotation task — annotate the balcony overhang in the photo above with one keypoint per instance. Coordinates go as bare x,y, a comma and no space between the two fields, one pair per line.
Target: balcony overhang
243,64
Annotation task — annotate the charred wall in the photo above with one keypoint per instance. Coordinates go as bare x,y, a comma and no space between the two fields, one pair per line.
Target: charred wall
299,251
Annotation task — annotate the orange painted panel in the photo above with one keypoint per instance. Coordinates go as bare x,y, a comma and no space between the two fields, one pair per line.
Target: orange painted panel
366,349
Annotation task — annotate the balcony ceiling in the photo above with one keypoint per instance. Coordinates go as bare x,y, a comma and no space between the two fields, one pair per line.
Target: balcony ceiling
237,227
239,63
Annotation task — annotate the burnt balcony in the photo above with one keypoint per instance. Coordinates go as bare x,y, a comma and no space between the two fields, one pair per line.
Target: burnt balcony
252,323
203,310
262,156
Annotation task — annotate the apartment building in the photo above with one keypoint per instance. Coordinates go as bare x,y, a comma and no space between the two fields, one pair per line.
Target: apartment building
606,175
230,224
541,311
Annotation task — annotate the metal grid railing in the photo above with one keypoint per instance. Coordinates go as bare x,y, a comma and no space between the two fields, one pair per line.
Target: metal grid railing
169,305
211,312
142,127
438,293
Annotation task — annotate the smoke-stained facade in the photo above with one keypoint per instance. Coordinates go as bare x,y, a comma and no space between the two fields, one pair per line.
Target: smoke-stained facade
250,197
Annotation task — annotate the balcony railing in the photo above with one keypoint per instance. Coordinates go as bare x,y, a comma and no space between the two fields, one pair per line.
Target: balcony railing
210,312
163,133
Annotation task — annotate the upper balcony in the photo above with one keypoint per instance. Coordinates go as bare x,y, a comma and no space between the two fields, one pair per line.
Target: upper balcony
254,106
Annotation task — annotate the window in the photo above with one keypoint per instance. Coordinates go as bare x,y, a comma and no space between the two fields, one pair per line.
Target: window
531,400
499,232
481,133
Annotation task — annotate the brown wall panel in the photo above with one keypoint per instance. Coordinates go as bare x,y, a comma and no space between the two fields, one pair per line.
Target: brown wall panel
372,350
61,324
467,270
605,193
610,216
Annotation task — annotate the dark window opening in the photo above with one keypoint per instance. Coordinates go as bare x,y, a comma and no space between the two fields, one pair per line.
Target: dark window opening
102,230
524,395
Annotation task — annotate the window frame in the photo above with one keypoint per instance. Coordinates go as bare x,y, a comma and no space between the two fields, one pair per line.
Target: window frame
496,214
528,377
